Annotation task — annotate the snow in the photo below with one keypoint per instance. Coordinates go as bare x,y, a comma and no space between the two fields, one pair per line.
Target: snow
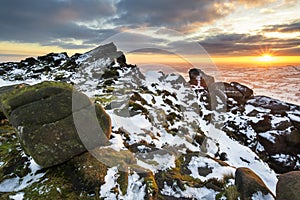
269,135
249,108
294,117
218,171
17,183
189,192
59,57
135,189
162,162
151,130
153,77
110,183
18,196
235,152
116,143
260,196
281,157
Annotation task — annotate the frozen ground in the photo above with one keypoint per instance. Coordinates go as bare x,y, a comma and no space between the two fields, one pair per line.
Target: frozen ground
277,82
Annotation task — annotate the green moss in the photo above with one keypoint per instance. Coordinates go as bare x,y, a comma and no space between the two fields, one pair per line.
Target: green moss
26,94
179,174
123,159
79,178
151,187
123,181
104,100
230,192
12,156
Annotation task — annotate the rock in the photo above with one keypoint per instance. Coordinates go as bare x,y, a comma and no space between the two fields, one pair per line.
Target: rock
275,106
248,183
247,92
288,185
105,51
31,61
233,91
199,78
262,125
54,122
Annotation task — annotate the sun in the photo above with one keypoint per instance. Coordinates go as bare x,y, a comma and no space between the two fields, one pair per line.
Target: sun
266,58
266,55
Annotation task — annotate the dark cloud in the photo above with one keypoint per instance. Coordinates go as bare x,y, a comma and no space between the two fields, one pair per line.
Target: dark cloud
249,45
175,14
61,22
284,28
41,22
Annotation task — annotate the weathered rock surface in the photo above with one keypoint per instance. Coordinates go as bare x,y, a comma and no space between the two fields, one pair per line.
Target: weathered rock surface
199,78
249,183
45,116
288,186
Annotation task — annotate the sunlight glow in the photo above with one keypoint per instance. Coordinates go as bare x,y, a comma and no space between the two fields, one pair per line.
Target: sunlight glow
266,58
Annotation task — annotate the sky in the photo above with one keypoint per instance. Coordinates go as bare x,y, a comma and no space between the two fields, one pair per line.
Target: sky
236,31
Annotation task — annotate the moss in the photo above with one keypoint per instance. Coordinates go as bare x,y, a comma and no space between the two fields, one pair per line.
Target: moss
12,156
79,178
151,187
123,181
179,174
230,192
104,100
24,95
123,159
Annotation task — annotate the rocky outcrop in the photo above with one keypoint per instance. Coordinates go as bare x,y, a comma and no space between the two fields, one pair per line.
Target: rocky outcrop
249,183
268,126
168,140
55,122
199,78
288,186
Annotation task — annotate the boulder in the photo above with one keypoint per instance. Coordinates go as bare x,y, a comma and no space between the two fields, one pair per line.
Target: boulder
249,183
247,92
104,52
274,105
55,122
288,185
231,91
199,78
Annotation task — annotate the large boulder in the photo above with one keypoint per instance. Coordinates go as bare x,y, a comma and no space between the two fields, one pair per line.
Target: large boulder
248,183
288,185
199,78
55,122
233,92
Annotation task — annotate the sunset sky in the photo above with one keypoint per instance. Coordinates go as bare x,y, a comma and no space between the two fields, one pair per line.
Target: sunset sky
237,31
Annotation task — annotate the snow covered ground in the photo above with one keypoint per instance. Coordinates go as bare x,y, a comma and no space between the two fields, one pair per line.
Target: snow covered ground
277,82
